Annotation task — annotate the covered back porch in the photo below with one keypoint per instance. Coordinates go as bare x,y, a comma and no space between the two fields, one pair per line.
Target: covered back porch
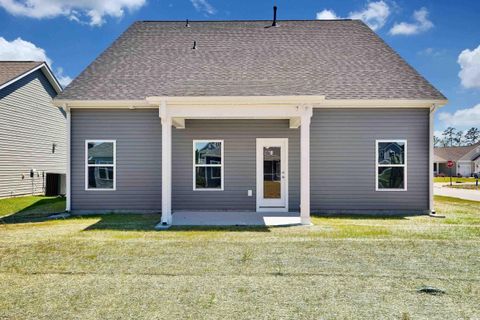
191,116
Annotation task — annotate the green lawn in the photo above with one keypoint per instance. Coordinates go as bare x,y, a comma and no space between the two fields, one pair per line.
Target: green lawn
30,207
454,179
115,266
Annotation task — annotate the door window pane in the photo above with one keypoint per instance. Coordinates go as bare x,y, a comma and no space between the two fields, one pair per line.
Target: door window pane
272,174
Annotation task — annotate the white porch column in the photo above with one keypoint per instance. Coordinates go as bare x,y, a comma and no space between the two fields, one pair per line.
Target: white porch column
305,165
166,164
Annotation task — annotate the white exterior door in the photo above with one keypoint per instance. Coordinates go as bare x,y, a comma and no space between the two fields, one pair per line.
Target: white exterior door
272,175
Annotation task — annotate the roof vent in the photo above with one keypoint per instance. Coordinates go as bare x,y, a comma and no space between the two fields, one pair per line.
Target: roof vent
194,45
187,25
274,23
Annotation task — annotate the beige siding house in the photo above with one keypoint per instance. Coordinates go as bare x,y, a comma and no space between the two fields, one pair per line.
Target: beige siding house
32,130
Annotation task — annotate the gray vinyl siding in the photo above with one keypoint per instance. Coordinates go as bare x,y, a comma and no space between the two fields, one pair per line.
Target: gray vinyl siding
343,159
240,163
29,125
139,158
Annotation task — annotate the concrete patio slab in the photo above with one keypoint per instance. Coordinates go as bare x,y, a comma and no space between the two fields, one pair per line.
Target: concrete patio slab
235,218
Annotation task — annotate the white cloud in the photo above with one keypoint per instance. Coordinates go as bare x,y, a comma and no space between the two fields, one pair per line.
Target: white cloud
94,11
327,15
21,50
437,133
375,14
469,74
431,52
62,78
204,6
421,24
461,119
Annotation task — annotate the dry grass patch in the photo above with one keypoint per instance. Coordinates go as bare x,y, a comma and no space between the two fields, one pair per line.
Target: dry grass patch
116,266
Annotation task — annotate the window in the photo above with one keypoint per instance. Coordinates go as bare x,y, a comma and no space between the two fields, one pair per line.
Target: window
100,164
391,165
207,165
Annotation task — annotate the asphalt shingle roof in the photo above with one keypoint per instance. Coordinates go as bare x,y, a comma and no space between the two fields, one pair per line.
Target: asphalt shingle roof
10,70
443,154
341,59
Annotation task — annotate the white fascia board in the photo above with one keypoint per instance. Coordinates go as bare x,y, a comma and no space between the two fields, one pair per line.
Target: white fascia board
380,103
46,71
110,104
258,101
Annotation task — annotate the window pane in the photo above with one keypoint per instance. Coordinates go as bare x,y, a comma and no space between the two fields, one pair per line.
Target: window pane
208,177
100,177
391,153
391,177
100,153
271,173
208,152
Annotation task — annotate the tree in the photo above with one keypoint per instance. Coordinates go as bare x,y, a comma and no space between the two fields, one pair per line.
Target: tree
472,135
448,136
436,141
458,138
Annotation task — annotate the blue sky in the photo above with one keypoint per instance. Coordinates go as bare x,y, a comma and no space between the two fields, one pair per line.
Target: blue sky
439,38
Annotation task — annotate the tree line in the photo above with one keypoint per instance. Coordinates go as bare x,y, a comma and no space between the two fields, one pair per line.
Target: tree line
452,137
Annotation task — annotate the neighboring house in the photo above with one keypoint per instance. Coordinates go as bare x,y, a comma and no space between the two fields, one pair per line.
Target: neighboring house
466,160
308,116
32,129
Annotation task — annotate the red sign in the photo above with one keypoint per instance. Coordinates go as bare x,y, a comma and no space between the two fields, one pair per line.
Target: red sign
450,163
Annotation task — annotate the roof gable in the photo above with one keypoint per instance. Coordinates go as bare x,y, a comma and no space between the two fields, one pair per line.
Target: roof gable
12,71
341,59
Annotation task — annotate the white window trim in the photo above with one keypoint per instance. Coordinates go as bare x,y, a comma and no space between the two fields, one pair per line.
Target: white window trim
221,165
405,166
114,165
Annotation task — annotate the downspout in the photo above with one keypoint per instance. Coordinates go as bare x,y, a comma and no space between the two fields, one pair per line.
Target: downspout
68,168
430,157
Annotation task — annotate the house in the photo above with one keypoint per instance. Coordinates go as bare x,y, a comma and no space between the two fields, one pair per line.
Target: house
466,160
32,131
307,116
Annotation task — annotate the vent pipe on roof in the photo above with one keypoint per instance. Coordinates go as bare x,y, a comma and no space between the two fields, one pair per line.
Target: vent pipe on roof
187,24
194,45
274,23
